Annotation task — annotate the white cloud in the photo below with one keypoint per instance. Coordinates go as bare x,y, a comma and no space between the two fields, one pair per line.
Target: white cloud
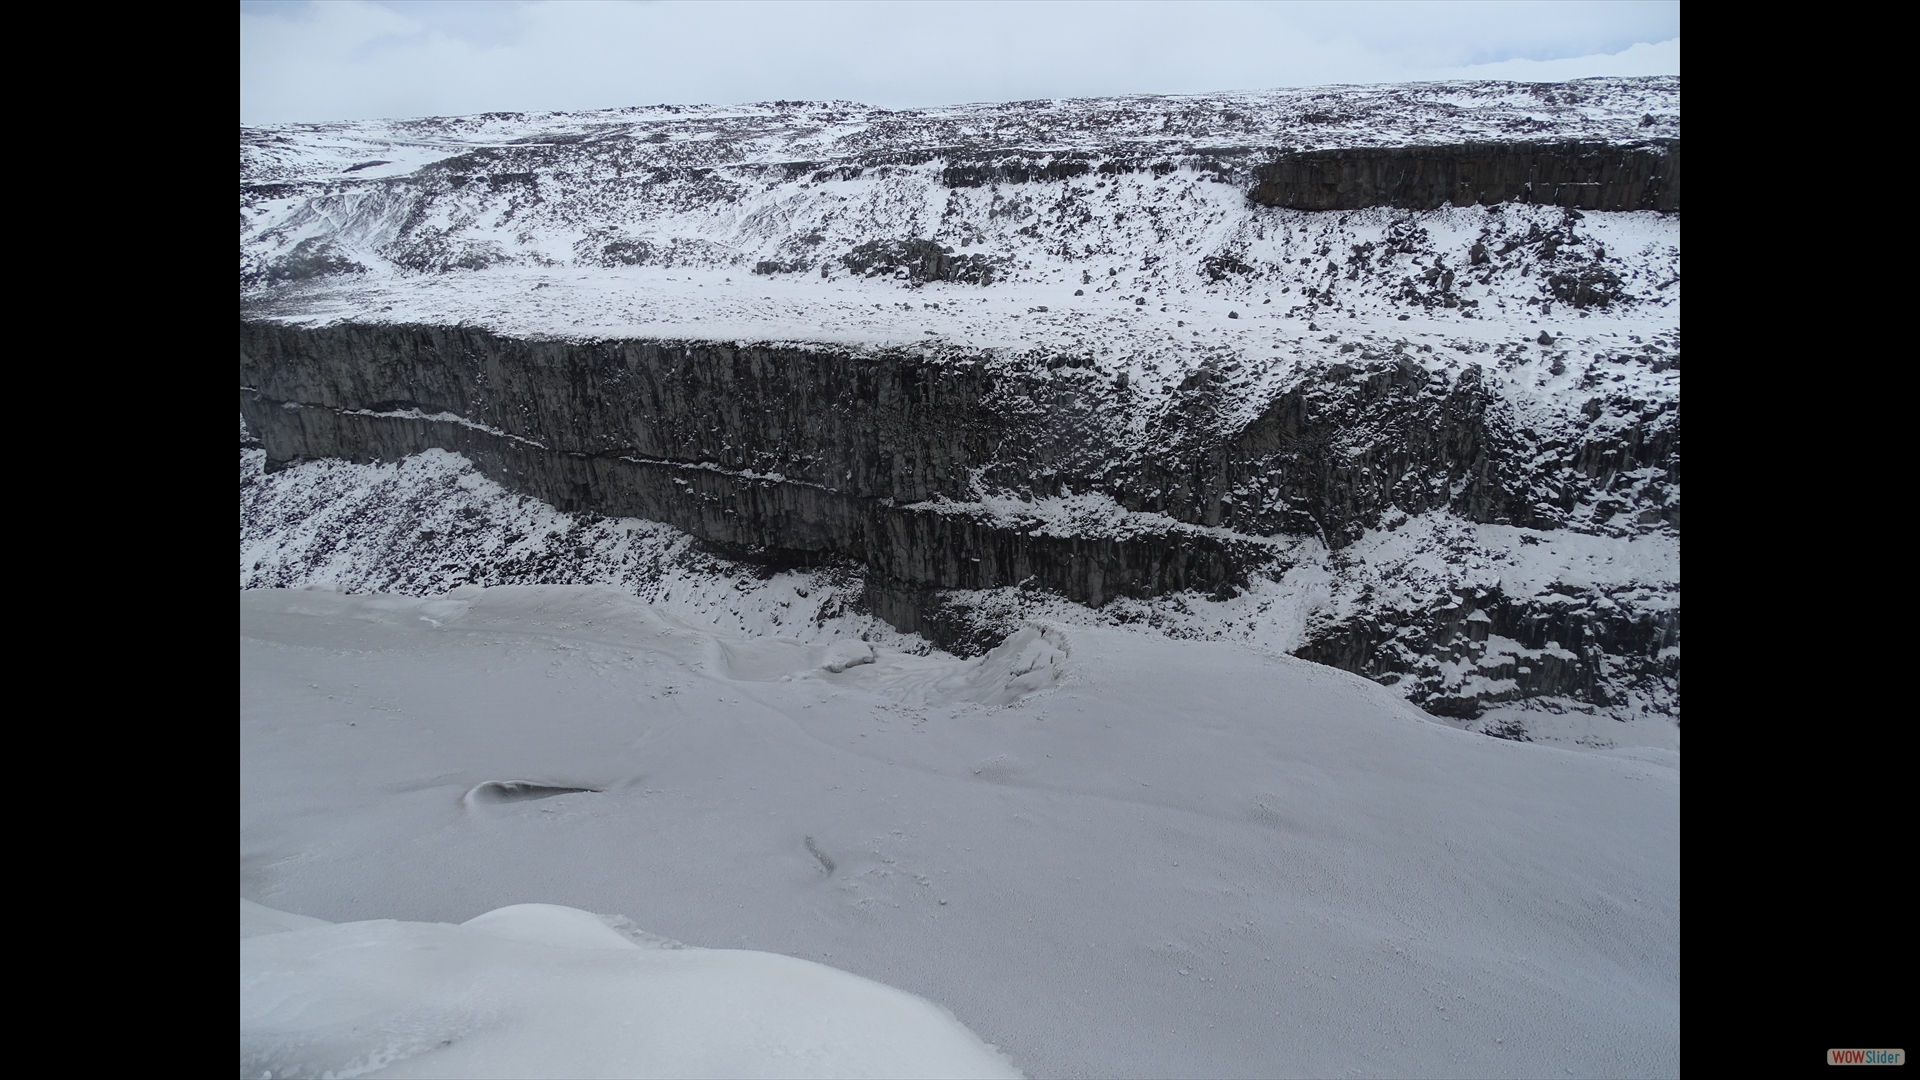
353,58
1661,58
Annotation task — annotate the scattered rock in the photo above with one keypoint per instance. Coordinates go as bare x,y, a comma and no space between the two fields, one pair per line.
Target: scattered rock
919,261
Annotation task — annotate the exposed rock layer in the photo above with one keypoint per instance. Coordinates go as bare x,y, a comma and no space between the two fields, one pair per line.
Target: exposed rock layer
1326,457
780,453
1583,176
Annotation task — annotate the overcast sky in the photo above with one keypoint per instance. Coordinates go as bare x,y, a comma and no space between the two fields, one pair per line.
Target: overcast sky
302,60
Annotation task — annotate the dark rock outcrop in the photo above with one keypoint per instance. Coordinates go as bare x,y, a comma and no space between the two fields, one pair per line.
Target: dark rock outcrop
897,427
1332,454
780,453
918,260
1329,456
1583,176
1578,645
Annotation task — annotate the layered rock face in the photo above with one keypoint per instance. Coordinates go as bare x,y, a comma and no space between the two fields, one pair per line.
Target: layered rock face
1425,396
1583,176
780,453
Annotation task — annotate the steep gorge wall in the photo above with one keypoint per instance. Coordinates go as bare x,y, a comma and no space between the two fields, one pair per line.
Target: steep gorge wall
805,455
880,428
781,453
1326,457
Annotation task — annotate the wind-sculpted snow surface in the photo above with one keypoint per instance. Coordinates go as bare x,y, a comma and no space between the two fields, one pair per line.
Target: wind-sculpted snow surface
1109,853
544,990
1056,345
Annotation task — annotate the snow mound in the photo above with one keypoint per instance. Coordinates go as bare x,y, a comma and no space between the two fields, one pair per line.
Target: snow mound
550,924
545,990
1032,659
842,655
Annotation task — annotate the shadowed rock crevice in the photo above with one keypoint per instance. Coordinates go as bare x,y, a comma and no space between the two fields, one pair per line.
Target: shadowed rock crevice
495,792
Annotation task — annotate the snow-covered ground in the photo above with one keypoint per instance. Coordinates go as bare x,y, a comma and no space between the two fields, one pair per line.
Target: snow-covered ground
544,990
1107,852
430,523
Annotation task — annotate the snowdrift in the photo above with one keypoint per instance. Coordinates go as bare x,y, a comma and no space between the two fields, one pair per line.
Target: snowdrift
543,990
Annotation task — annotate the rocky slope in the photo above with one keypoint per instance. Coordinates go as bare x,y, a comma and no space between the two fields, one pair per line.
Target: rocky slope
1400,364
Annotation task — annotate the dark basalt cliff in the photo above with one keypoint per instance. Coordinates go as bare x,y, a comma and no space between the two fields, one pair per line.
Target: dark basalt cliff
781,453
1582,176
806,455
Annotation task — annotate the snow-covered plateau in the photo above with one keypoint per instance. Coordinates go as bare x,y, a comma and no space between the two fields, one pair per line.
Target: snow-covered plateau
1058,562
